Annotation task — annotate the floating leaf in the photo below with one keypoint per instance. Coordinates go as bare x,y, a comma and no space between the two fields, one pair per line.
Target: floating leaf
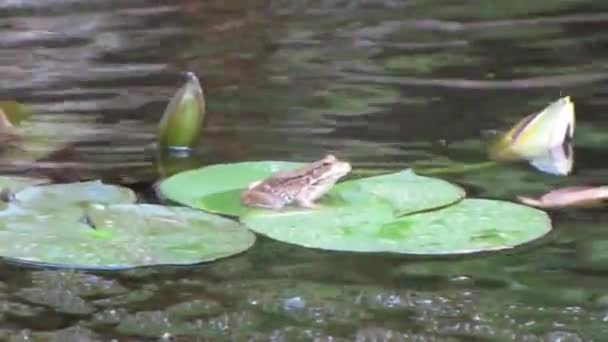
575,196
472,225
406,191
120,236
190,187
226,203
537,133
12,184
182,122
60,196
217,188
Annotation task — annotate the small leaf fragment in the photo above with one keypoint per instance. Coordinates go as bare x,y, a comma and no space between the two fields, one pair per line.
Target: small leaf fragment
570,197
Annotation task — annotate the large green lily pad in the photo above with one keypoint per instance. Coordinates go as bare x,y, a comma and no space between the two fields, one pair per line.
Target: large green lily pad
61,196
472,225
404,191
119,236
190,187
396,212
218,188
11,184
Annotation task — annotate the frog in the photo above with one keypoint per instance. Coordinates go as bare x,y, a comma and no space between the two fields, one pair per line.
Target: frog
301,187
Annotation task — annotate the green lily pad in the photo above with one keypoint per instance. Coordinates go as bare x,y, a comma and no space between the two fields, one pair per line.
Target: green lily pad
16,213
227,203
472,225
190,187
13,184
120,236
60,196
406,191
217,188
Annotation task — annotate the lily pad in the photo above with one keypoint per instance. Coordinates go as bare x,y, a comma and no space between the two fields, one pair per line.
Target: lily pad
406,191
227,203
472,225
60,196
191,186
11,184
121,236
217,188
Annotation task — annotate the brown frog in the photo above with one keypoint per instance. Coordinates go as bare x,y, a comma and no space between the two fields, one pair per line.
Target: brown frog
302,186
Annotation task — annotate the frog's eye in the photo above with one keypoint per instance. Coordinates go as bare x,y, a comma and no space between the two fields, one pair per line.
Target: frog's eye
329,159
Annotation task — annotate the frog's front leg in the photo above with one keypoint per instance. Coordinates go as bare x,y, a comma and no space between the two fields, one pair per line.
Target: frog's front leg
262,200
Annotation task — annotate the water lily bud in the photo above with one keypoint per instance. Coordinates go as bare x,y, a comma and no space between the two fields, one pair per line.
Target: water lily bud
5,123
556,161
182,122
536,134
13,113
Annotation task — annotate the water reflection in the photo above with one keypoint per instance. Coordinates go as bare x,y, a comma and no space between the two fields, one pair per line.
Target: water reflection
387,84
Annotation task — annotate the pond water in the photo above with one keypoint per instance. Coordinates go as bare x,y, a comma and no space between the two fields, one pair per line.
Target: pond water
382,83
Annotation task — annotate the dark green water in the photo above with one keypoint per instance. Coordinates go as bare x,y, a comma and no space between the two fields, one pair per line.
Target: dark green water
387,84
